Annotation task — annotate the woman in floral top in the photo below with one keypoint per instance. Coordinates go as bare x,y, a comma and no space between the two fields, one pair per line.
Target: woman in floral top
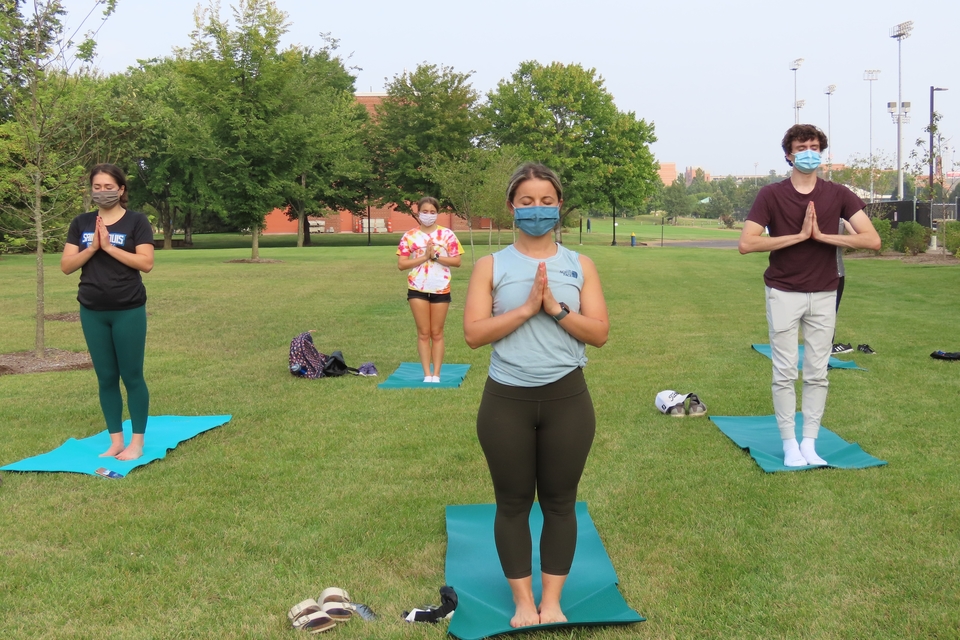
429,251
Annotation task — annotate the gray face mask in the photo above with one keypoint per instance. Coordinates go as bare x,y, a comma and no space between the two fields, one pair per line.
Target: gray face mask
106,199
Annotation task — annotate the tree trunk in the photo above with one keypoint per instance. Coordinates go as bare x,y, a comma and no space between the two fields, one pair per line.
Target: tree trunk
188,228
166,219
306,232
38,345
473,258
301,224
255,244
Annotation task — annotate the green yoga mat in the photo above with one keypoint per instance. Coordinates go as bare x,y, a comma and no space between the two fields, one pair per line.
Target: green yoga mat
409,375
590,596
835,363
760,437
83,456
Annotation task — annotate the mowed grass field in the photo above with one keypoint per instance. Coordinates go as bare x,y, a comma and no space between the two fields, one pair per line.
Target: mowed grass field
328,482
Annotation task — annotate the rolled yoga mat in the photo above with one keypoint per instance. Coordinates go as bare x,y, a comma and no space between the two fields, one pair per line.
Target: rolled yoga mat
409,375
83,456
590,595
834,363
761,438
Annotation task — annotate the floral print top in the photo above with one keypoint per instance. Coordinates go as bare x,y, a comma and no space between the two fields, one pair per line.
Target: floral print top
429,277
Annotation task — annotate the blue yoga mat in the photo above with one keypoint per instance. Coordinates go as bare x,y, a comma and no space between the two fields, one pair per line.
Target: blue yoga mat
835,363
409,375
590,595
83,456
761,438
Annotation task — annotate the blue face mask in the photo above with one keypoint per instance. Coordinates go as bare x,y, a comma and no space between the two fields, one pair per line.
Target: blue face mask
536,221
807,161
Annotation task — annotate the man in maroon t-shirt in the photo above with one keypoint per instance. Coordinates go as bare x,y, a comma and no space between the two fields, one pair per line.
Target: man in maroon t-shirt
801,281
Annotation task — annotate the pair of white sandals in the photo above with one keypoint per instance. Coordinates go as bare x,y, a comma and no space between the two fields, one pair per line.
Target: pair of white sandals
322,614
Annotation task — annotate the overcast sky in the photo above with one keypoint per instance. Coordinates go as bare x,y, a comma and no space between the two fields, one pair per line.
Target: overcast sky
713,77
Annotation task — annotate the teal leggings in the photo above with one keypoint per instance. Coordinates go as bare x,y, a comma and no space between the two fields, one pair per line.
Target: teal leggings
116,341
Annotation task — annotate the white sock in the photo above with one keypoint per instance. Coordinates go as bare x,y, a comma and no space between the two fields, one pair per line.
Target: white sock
791,454
428,378
808,449
436,379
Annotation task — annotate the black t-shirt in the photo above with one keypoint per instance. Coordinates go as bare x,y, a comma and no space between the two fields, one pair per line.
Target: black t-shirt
106,284
807,266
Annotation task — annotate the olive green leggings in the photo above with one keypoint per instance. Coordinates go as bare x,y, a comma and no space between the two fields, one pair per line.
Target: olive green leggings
536,440
116,341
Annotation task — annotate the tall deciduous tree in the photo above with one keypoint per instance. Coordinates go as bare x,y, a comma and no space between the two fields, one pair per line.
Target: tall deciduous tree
427,115
237,75
45,109
563,116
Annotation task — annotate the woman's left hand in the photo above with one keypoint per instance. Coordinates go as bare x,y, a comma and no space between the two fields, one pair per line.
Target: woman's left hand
550,305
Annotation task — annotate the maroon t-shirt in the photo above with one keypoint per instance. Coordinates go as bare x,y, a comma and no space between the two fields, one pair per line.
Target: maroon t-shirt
807,266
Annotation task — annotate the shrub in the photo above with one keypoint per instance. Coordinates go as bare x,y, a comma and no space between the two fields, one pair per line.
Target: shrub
911,237
882,225
952,232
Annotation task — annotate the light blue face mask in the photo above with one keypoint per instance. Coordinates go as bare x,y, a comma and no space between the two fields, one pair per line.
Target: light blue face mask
536,221
807,161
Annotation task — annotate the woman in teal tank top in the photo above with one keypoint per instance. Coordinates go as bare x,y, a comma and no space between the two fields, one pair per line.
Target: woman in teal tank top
538,304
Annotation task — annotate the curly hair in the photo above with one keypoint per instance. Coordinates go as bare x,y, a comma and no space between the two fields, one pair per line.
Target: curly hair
802,133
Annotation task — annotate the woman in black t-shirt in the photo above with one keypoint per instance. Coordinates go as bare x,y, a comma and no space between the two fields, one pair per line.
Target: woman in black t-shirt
111,247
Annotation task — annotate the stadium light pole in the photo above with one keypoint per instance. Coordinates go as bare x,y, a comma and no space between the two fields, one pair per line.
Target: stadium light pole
932,125
829,91
796,106
900,33
870,75
799,104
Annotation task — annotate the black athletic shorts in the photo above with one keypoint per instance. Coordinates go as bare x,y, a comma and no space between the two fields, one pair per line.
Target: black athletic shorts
432,298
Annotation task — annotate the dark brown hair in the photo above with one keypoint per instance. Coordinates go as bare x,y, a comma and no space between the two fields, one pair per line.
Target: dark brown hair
802,133
114,172
428,200
533,171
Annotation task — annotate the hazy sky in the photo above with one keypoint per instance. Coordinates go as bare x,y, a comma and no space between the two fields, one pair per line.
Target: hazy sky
713,77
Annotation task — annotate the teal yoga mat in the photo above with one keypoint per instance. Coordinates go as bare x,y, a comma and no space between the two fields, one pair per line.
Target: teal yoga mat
835,363
409,375
590,596
760,437
83,456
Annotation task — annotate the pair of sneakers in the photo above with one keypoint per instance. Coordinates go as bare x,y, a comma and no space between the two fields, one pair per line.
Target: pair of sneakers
696,408
842,347
431,378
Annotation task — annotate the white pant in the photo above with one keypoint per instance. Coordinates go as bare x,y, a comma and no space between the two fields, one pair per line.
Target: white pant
787,311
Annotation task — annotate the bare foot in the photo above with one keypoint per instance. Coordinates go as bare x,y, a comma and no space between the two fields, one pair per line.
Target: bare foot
551,615
526,616
112,451
116,445
134,450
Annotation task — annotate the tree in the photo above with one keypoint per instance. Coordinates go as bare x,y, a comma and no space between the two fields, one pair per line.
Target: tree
474,185
238,78
922,158
332,167
676,202
428,115
563,116
44,110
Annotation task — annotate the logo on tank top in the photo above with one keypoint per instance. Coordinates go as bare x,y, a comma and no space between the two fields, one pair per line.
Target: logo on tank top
569,274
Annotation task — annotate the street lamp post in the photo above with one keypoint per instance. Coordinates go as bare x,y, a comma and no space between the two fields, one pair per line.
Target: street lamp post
900,32
799,104
796,105
870,75
932,127
829,91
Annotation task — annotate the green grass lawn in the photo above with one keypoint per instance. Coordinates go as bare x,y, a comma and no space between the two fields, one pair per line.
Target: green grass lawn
333,482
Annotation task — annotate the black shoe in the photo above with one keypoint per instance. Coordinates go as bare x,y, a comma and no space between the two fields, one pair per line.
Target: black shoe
865,348
841,348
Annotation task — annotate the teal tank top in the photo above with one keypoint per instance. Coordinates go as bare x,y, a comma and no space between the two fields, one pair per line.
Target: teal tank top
539,351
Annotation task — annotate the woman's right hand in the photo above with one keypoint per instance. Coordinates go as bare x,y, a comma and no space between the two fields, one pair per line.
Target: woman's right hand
535,299
95,245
